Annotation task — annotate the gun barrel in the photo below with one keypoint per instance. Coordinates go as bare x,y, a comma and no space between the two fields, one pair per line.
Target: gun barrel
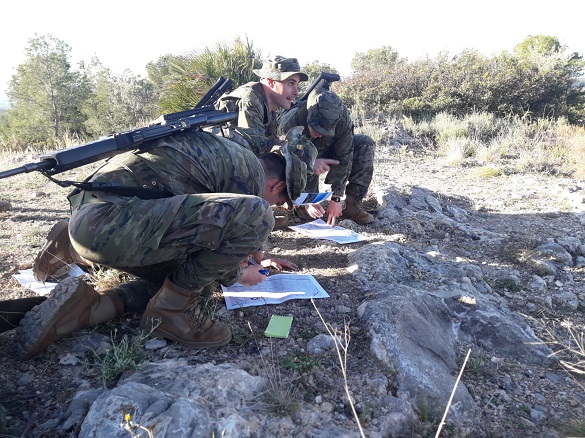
31,167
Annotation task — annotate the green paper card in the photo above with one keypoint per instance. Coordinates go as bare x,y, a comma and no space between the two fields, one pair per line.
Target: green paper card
278,327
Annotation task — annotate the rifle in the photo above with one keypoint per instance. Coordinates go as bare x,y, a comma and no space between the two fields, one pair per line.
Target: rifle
327,78
202,115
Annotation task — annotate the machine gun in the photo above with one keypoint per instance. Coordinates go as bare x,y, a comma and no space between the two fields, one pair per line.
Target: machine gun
202,115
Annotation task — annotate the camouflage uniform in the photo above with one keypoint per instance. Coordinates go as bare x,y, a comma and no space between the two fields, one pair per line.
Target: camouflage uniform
214,219
256,126
355,153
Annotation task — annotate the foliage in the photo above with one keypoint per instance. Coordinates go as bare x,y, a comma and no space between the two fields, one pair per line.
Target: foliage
312,70
184,79
539,44
45,93
520,144
50,101
117,103
122,356
538,80
282,395
300,362
381,58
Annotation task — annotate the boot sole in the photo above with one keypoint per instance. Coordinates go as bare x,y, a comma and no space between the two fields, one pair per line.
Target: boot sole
35,325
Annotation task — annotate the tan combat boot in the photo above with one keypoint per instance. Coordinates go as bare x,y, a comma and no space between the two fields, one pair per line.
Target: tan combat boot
71,305
170,308
354,210
56,256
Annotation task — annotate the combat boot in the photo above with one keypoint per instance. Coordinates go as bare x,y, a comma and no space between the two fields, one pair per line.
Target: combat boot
71,305
354,211
173,314
56,256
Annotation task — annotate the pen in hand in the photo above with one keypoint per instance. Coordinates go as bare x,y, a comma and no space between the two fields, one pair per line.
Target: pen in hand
261,271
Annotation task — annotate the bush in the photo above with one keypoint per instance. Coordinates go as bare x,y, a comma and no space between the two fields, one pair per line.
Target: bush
533,82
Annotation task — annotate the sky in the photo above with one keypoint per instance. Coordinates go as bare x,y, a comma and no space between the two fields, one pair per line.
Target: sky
128,34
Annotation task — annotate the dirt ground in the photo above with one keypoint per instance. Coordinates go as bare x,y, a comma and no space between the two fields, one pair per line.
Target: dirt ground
531,206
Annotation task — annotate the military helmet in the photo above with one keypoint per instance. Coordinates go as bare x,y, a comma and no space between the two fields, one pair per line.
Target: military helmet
324,111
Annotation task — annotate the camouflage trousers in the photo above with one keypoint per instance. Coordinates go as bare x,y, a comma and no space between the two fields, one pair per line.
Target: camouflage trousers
199,238
362,169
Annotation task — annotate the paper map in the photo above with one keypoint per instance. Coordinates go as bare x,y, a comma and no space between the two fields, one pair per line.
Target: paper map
319,229
27,279
276,289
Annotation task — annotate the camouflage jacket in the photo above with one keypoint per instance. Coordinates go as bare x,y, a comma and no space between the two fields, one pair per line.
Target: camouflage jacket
186,163
255,123
338,147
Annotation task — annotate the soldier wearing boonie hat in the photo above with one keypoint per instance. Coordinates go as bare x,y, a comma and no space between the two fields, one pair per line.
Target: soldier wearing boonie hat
280,68
256,103
347,159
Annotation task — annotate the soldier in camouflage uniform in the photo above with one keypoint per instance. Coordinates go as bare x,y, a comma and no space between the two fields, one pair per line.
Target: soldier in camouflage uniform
348,158
256,103
214,213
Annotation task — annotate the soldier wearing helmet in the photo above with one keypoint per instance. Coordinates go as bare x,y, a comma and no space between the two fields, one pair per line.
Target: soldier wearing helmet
347,158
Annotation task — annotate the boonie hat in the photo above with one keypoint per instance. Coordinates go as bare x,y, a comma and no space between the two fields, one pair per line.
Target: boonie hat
324,111
299,154
280,68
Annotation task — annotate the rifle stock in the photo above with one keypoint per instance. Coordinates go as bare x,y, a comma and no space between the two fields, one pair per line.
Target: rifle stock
202,115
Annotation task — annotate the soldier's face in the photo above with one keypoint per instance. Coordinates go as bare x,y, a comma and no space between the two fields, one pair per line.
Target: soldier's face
315,134
285,92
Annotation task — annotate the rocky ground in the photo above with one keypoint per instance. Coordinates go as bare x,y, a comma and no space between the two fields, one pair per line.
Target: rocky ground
515,401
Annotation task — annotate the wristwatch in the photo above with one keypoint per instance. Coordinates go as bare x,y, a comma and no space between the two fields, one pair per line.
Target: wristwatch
336,198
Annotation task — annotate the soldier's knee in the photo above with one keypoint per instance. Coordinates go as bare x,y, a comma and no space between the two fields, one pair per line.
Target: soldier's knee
363,141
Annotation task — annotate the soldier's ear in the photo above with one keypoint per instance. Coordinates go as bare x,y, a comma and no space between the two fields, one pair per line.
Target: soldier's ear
278,187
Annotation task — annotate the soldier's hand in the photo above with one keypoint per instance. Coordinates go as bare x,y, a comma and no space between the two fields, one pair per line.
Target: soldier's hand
334,210
279,264
258,256
323,165
315,210
251,275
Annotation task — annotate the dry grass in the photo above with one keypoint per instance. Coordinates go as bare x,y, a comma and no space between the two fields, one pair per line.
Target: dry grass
282,394
549,146
488,172
569,347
